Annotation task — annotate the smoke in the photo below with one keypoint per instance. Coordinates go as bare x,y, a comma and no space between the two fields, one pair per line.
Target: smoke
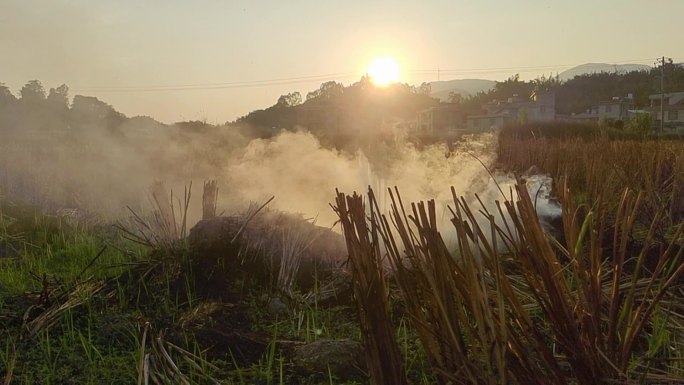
102,171
303,175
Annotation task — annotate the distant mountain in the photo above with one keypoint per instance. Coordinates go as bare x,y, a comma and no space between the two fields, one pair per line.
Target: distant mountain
465,87
590,68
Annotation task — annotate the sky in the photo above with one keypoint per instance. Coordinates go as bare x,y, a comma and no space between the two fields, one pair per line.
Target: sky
218,60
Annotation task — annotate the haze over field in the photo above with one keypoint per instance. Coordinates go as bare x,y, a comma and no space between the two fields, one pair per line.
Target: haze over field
379,63
180,61
103,172
311,192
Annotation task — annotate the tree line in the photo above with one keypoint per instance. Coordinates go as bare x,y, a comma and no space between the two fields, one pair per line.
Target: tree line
36,108
362,99
582,92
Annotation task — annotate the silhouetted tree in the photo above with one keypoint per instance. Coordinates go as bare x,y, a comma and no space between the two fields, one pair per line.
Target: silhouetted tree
543,83
7,108
425,89
33,91
327,90
6,96
89,110
513,86
455,97
290,100
59,97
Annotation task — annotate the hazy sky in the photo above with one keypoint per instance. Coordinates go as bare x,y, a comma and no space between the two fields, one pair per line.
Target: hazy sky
124,51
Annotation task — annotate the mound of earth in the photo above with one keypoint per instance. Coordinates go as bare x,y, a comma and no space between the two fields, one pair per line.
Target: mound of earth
272,248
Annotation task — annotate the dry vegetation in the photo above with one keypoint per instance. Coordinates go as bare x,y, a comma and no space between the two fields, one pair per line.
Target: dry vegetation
539,312
602,164
601,303
148,301
513,304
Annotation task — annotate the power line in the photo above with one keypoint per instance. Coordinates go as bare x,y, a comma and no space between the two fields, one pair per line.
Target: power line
208,86
324,77
519,68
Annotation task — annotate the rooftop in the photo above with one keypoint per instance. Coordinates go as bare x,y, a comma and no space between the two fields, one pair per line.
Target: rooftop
672,97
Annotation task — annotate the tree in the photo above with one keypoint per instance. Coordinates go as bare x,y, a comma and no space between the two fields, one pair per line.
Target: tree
59,97
32,91
641,123
290,100
455,97
543,83
513,86
327,90
6,96
425,89
88,110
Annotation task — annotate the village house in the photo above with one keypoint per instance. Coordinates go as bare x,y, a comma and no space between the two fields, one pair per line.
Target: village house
539,107
616,109
673,109
542,106
334,118
590,115
443,119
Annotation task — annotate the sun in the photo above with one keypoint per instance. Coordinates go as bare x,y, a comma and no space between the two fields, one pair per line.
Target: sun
383,71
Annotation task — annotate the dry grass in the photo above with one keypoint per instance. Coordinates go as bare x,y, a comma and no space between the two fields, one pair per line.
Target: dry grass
296,239
162,362
604,167
557,313
54,300
165,225
383,356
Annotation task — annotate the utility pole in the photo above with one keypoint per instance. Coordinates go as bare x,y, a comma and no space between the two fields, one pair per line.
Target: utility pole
661,61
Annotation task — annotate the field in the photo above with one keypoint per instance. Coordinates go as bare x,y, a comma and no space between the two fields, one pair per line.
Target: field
148,301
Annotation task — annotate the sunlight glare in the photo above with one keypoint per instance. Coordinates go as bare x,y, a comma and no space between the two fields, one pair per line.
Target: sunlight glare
383,71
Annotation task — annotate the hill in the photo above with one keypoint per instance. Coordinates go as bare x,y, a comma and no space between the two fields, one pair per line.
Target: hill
466,87
592,68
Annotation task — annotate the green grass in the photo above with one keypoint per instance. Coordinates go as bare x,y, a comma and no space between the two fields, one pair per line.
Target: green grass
98,339
43,245
89,343
81,304
87,347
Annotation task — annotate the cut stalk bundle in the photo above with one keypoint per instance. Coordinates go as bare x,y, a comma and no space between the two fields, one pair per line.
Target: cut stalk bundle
295,241
556,314
56,299
160,229
209,198
383,356
162,362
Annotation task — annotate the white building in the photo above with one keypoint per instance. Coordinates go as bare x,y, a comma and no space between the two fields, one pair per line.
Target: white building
673,108
617,108
539,107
